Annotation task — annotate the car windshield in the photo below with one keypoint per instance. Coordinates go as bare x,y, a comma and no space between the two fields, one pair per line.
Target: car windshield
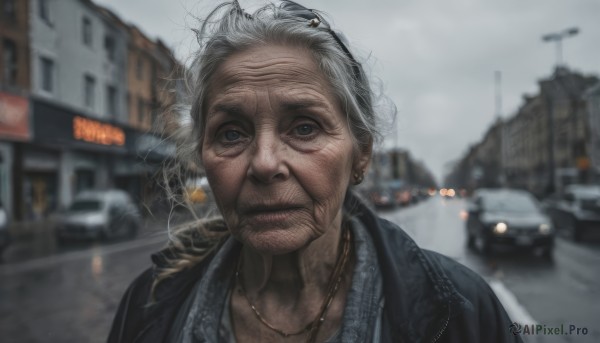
85,205
509,202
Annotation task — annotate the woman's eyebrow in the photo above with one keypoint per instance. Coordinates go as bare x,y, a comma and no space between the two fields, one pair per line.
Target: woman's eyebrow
229,109
294,105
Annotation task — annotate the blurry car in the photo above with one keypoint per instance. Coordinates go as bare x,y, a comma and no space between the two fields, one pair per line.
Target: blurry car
4,234
508,217
382,198
576,210
400,192
419,194
99,215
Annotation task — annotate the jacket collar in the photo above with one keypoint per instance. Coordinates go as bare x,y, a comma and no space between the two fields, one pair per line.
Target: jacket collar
419,297
169,295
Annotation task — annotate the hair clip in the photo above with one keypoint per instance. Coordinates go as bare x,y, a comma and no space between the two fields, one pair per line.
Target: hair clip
314,22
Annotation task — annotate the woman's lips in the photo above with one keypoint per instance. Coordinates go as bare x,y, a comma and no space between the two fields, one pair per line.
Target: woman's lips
277,214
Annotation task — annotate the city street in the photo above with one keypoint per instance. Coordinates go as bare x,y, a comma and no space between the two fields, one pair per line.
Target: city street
466,123
532,289
70,295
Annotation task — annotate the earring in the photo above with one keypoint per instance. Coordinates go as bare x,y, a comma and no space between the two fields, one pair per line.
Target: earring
358,178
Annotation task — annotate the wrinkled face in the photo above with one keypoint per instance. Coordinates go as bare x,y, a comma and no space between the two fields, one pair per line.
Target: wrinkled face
277,149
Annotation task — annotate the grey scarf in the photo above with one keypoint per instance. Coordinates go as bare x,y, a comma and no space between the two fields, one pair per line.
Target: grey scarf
205,315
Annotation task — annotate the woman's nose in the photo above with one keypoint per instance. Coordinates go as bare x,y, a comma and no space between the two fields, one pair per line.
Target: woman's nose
267,160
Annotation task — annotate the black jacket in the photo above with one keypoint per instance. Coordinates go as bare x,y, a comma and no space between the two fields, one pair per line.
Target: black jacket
428,297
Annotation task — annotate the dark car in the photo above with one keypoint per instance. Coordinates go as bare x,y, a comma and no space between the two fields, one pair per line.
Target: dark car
400,191
576,210
508,217
99,215
382,198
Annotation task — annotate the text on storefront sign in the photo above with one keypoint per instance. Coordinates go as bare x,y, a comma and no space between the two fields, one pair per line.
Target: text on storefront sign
92,131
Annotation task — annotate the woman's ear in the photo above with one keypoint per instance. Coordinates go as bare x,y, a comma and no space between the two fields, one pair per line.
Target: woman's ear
363,159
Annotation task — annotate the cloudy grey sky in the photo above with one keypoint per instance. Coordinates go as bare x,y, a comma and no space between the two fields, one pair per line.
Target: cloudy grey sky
436,59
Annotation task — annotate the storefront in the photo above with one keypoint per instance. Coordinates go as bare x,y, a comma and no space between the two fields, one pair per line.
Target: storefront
88,153
39,182
83,148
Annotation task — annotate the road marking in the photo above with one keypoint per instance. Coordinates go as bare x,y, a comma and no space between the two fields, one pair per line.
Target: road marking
48,261
515,310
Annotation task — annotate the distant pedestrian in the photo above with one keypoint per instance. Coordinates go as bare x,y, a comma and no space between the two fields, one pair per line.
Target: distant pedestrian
283,122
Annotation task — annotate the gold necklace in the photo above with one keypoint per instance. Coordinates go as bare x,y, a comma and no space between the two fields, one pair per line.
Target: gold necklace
334,283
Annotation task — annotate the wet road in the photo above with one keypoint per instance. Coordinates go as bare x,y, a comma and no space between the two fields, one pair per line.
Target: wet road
563,291
70,295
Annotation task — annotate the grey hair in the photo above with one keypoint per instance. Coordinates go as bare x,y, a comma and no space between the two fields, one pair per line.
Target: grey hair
228,29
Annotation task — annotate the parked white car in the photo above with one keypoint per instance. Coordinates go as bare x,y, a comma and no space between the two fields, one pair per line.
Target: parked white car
99,215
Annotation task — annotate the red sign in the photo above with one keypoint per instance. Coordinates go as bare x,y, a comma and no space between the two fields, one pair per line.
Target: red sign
14,117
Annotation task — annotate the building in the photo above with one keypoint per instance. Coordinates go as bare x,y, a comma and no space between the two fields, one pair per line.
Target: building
526,159
464,173
78,105
14,89
483,164
152,92
398,165
140,79
14,47
567,111
489,156
81,92
592,97
544,146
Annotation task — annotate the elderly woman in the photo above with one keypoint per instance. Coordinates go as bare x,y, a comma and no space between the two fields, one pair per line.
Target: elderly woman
283,124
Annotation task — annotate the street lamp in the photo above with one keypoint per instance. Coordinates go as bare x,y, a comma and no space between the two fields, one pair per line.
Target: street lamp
558,37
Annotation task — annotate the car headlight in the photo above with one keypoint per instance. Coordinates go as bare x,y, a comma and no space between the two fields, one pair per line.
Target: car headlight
545,228
500,228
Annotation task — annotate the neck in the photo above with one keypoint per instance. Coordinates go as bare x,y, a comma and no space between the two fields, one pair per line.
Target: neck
287,277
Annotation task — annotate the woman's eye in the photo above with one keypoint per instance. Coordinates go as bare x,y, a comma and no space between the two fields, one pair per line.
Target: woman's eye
305,129
231,135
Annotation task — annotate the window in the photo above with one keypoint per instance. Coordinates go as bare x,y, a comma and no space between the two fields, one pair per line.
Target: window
109,46
90,90
9,11
139,71
47,73
141,112
111,101
86,31
9,59
129,104
44,10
